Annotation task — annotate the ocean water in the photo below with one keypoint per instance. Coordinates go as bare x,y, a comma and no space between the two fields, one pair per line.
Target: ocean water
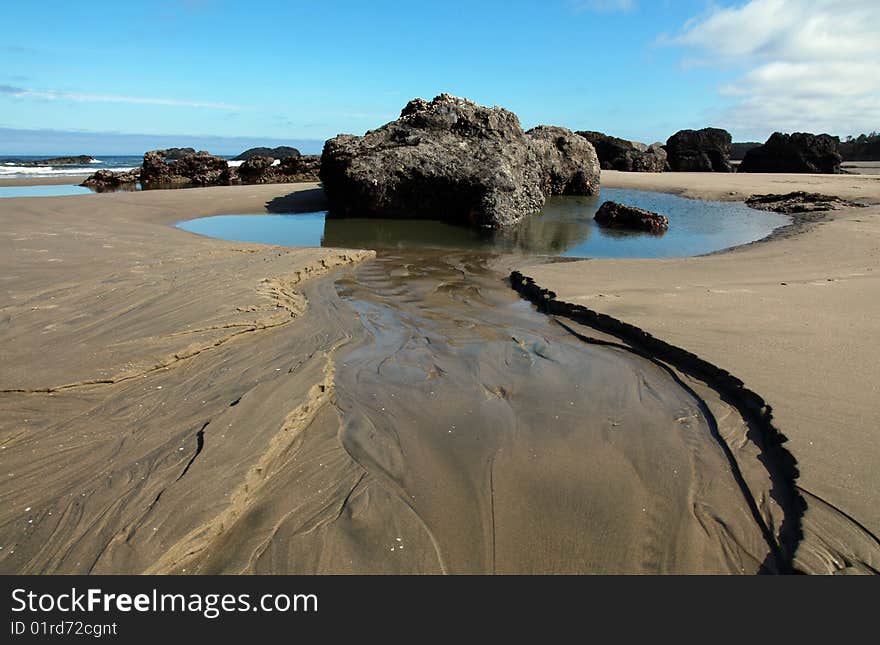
11,166
565,228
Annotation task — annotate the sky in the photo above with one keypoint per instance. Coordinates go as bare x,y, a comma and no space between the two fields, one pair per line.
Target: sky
120,77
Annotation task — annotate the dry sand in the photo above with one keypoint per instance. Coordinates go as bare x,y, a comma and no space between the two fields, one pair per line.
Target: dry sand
795,318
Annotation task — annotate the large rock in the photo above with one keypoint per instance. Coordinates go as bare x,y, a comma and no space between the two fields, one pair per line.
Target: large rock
630,156
621,216
450,159
281,152
104,180
798,152
706,150
198,169
569,162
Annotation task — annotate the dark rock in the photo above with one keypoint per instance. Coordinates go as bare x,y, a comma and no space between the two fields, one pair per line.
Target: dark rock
799,202
614,215
281,152
738,150
198,169
798,152
260,170
865,147
570,164
448,159
256,170
629,156
301,168
173,154
109,180
706,150
79,160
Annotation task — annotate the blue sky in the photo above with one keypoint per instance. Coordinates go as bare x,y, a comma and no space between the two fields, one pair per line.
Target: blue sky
276,72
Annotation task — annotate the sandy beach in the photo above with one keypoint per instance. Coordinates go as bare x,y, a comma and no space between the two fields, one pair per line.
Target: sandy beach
173,402
792,317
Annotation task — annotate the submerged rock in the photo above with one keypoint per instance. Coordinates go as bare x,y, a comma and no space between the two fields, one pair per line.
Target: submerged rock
799,202
109,180
198,169
628,156
453,160
798,152
281,152
615,215
706,150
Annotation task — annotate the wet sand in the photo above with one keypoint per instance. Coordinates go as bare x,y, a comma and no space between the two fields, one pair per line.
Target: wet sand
180,404
794,318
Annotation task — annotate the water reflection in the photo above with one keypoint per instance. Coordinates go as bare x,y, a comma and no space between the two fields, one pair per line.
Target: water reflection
565,227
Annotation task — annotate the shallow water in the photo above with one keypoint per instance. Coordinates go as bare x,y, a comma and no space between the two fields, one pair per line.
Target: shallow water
565,228
43,191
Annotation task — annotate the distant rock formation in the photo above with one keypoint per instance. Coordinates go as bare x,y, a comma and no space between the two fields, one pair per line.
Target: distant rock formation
865,147
706,150
570,164
79,160
629,156
104,180
615,215
453,160
799,202
798,152
281,152
196,169
173,154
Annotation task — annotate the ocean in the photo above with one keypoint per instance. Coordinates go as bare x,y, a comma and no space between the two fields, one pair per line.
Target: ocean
16,166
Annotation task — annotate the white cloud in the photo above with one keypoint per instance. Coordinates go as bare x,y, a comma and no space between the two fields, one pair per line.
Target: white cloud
603,6
811,64
55,95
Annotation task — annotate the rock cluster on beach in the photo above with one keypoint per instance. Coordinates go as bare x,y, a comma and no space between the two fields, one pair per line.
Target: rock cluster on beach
615,215
108,180
457,161
204,169
798,152
263,170
197,169
706,150
629,156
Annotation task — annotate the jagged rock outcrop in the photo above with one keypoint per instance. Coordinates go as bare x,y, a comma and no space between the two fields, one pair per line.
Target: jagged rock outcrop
615,215
630,156
799,202
197,169
448,159
108,180
281,152
798,152
569,162
706,150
